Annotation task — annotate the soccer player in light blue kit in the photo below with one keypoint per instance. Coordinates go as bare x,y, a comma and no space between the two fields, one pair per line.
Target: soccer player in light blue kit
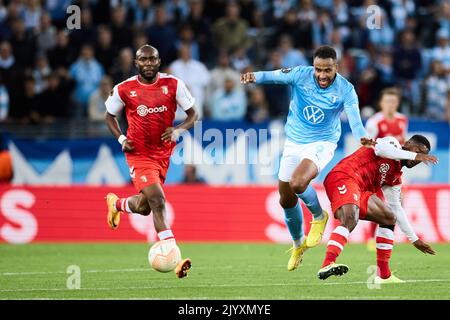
313,128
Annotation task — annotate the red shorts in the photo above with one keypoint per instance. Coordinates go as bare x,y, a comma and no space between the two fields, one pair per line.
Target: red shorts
342,189
146,172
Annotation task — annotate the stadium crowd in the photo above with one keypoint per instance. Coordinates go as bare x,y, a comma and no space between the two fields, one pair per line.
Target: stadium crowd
48,71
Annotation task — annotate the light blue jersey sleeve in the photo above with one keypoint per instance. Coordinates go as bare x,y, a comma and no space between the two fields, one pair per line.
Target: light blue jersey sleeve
281,76
351,107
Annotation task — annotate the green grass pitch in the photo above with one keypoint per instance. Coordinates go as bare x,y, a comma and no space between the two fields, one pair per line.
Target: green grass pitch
220,271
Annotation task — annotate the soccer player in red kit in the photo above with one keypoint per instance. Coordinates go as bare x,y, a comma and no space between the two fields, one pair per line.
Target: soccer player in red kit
150,100
351,187
388,122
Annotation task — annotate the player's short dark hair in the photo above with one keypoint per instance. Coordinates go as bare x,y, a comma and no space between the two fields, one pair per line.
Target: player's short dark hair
421,139
325,52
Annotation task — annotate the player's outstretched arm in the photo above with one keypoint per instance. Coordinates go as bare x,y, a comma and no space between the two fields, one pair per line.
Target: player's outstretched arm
386,148
392,195
281,76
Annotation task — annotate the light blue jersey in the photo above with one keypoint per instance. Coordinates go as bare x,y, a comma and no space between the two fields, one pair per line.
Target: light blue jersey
314,113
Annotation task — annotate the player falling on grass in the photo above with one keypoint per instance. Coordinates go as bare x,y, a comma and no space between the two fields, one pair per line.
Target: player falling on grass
313,127
150,100
386,123
351,187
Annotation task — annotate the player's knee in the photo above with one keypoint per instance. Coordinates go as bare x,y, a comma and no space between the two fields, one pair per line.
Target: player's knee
288,202
348,220
299,185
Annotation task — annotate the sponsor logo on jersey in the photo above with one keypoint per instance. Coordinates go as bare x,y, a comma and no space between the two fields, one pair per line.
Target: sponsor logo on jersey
384,168
342,189
144,179
313,114
165,90
355,196
143,110
133,94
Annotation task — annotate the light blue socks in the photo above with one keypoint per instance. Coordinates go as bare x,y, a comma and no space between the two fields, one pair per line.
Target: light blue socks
293,217
310,199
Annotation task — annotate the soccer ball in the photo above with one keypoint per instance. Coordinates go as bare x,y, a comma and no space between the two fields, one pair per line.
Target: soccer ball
164,255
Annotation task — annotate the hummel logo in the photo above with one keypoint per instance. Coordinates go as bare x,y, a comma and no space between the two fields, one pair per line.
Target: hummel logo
342,189
132,173
133,94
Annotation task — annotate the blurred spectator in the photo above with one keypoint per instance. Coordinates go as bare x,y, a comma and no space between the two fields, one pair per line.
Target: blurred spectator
300,32
221,72
96,110
62,55
259,35
186,37
4,101
11,74
46,34
140,39
194,74
104,49
86,34
400,10
442,51
290,57
280,7
190,175
436,93
40,73
385,69
162,35
143,14
407,66
177,11
277,95
124,67
57,10
25,110
214,9
23,44
239,59
32,14
54,101
200,24
228,102
322,29
383,36
230,32
120,30
87,73
257,108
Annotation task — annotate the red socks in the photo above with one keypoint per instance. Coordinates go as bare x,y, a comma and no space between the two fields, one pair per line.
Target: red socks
385,241
338,240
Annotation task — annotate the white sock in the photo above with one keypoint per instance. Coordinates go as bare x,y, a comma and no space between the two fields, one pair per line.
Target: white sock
165,234
298,242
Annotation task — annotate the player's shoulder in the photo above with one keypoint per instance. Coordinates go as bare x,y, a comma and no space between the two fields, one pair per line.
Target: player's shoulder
165,77
377,117
401,116
343,84
131,81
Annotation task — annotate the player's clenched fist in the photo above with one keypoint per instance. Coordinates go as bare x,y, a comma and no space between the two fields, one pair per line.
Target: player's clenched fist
248,77
127,146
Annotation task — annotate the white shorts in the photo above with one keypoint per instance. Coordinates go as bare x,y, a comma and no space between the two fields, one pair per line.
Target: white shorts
320,152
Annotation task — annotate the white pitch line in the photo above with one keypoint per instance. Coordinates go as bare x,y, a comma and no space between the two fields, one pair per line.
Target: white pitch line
215,286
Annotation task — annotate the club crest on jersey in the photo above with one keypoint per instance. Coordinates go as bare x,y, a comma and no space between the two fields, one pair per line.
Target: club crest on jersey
133,94
333,98
165,90
313,114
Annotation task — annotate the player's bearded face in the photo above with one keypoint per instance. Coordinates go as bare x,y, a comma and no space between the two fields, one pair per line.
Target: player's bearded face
148,65
324,71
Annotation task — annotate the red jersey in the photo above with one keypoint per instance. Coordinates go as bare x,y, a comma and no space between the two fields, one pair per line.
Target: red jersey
378,126
370,171
150,110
